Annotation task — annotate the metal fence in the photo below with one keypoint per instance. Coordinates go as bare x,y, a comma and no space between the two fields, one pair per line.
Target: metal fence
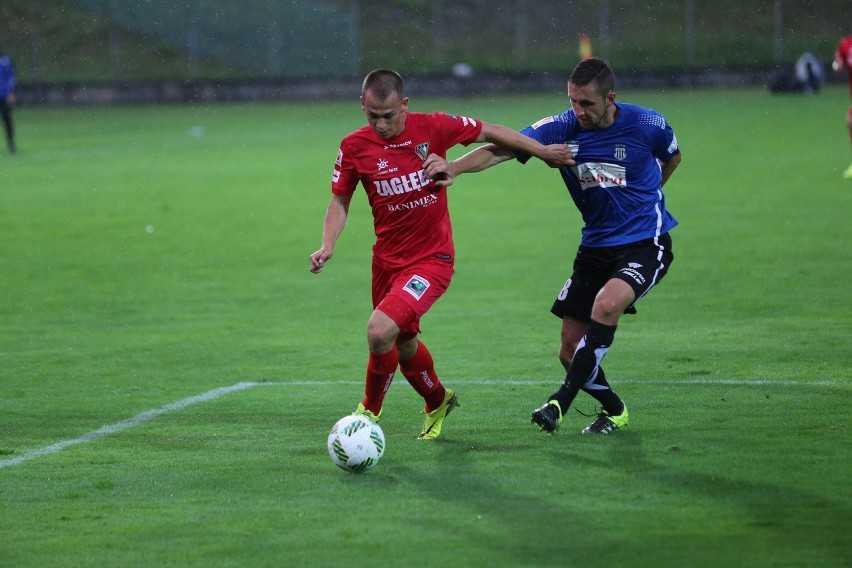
256,38
278,39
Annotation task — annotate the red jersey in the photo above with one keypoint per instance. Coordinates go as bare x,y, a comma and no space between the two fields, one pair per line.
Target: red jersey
843,56
411,219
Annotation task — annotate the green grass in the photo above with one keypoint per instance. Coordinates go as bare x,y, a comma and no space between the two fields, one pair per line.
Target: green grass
151,254
56,41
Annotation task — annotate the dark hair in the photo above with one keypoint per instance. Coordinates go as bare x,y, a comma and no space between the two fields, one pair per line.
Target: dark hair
382,83
594,70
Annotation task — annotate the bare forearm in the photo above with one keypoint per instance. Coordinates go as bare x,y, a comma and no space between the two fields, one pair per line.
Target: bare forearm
554,155
508,138
668,168
480,159
332,226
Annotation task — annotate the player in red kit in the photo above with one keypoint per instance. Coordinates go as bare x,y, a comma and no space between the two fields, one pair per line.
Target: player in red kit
413,255
843,61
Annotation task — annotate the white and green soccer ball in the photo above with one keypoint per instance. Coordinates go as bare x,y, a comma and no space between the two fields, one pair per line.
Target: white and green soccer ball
356,443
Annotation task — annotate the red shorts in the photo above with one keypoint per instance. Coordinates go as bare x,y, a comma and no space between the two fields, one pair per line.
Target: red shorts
414,288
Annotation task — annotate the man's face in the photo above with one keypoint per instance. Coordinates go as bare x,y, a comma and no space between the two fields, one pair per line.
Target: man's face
593,111
387,117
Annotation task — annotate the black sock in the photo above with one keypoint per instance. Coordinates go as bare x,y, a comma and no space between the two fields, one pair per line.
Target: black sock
600,390
564,396
585,365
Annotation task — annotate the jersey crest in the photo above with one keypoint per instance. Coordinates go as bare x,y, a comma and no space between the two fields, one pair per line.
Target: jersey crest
422,150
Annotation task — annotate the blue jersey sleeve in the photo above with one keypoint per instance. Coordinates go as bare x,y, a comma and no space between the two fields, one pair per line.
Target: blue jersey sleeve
663,139
548,130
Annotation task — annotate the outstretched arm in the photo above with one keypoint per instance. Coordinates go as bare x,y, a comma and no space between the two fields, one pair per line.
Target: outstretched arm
555,155
335,220
503,143
444,172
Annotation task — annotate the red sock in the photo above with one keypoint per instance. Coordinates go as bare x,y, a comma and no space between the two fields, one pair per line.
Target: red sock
420,372
380,371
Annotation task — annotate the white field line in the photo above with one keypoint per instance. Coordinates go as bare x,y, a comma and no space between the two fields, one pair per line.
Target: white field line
556,381
127,423
216,393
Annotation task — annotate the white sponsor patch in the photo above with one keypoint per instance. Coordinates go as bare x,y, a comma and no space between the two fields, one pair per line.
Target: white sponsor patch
416,286
591,175
634,274
673,145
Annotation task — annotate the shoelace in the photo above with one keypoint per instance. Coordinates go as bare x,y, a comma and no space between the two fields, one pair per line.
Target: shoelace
599,412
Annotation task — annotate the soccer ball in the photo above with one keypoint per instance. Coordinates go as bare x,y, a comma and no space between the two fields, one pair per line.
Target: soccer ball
356,443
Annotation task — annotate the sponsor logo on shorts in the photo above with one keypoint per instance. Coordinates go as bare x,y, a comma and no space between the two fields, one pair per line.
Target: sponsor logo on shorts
416,286
634,265
634,274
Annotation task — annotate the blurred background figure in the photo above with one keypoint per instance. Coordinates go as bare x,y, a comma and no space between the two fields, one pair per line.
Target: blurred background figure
7,97
585,47
843,60
810,72
806,76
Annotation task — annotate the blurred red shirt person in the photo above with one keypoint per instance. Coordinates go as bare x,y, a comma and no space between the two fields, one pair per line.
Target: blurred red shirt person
843,61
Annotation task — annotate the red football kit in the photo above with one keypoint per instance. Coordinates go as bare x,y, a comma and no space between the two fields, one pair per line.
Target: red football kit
843,56
413,255
412,221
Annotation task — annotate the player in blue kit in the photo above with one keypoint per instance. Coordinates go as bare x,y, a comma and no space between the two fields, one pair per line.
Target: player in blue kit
7,97
623,156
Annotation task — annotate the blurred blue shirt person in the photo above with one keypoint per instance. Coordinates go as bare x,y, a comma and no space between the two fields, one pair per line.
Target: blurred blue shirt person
8,82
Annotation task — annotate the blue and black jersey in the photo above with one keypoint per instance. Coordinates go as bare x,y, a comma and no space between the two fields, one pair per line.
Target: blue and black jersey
616,182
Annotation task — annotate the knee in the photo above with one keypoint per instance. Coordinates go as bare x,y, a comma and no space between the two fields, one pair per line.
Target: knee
407,348
607,310
381,335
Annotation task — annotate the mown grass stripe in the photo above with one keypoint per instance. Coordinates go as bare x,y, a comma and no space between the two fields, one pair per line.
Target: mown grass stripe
216,393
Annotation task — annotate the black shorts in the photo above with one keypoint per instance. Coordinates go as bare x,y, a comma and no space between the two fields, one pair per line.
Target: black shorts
641,264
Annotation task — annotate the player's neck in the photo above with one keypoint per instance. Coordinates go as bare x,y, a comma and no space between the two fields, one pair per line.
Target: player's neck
612,115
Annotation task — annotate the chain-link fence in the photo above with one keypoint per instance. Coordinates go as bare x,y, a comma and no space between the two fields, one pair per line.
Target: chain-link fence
260,38
288,39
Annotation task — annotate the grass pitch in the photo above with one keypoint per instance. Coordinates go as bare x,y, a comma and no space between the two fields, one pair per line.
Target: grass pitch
151,255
